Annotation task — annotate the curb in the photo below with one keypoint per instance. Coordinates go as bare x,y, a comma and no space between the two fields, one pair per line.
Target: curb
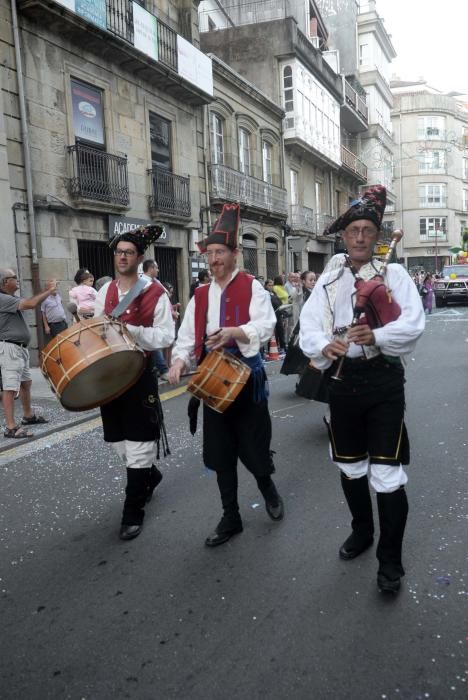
163,389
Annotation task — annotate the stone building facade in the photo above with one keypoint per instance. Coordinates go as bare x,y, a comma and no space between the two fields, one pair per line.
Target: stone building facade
114,96
245,164
431,173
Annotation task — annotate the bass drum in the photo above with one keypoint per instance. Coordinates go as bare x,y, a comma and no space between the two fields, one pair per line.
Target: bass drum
91,363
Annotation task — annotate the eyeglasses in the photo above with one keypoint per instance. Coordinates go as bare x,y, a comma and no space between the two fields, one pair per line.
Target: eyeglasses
124,253
216,254
366,232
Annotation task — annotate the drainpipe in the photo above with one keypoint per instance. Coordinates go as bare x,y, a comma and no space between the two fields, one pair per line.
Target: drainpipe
205,118
400,151
35,281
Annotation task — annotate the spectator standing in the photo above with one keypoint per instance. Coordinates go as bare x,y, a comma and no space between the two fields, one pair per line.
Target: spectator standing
203,278
308,280
279,328
14,355
427,294
83,295
150,273
53,314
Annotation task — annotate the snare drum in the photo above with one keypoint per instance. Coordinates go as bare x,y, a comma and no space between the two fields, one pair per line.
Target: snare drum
219,380
91,363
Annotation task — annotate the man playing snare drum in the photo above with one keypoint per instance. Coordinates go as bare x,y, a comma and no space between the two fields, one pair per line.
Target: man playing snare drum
233,312
133,422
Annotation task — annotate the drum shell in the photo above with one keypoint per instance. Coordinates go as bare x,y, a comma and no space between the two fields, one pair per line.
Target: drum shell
219,380
91,347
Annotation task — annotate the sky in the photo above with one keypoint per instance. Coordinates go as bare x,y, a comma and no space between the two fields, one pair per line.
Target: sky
430,38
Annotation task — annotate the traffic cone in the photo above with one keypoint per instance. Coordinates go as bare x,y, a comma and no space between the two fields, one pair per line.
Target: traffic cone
273,353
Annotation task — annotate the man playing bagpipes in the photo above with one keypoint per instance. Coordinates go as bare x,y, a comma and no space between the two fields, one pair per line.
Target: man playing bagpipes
233,313
362,317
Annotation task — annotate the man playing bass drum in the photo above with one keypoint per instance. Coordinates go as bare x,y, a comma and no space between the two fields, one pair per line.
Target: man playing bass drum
367,430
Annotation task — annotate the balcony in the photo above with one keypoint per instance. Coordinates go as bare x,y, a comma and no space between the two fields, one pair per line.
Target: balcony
261,197
141,44
354,164
321,222
354,111
301,218
433,202
170,198
99,180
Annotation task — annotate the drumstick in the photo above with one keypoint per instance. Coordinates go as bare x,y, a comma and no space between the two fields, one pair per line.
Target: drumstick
73,309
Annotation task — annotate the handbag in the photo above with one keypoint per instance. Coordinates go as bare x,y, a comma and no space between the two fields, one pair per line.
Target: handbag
313,385
423,291
295,361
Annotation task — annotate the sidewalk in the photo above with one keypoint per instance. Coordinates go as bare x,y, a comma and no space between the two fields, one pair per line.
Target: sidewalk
46,404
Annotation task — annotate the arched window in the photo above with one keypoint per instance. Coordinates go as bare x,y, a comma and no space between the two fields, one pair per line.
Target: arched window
249,246
271,248
288,91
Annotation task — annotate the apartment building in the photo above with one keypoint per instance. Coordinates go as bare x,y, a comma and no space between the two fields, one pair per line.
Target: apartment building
245,164
282,47
110,136
431,173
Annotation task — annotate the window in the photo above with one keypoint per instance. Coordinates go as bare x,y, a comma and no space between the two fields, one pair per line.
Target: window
88,114
271,248
217,139
211,25
249,248
288,92
293,183
267,158
465,168
244,151
432,227
318,198
433,162
433,195
431,128
465,200
160,135
364,54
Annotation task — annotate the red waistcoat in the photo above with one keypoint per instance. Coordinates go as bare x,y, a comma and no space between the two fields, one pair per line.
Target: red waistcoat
234,309
141,310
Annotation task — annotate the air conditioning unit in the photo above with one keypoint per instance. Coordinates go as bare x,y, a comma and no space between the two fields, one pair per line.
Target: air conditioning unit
315,41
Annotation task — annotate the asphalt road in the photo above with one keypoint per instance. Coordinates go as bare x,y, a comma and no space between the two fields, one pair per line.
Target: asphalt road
272,614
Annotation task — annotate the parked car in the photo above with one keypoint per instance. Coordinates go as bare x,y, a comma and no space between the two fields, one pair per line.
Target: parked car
453,286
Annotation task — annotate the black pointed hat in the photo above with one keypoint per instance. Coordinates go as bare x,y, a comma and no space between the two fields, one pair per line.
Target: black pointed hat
225,229
141,237
370,206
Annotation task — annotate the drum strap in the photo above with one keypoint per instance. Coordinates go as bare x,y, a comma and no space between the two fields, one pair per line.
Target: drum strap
132,294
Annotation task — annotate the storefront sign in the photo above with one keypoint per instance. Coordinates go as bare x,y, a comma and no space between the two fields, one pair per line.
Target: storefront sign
124,224
145,28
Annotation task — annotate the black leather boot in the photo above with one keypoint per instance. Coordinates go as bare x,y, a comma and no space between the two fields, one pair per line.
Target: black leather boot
273,502
393,513
231,523
155,478
134,505
358,498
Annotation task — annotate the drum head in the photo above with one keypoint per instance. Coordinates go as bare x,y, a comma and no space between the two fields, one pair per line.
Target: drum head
103,381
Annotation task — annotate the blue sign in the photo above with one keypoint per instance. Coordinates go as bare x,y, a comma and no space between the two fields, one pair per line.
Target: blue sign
92,10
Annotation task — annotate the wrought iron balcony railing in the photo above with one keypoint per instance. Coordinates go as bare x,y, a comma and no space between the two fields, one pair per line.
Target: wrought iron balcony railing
355,100
119,17
301,218
167,45
98,175
322,221
354,163
171,193
230,184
